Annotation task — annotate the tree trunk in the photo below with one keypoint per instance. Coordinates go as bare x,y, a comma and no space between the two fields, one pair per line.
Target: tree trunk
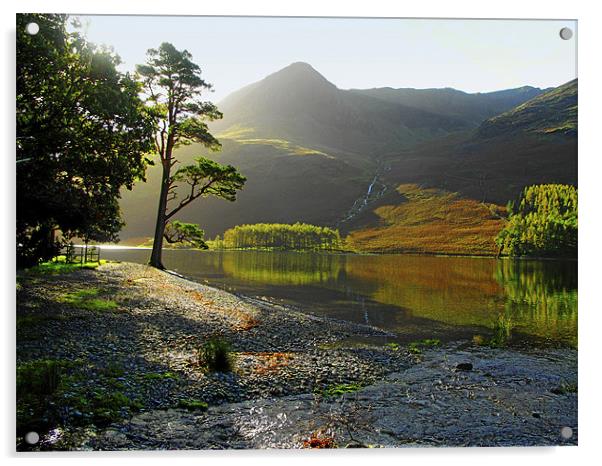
155,259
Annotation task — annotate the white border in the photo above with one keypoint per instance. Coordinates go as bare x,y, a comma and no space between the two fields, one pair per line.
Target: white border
590,172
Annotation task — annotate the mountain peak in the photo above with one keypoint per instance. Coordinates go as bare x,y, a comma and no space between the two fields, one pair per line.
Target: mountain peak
301,65
298,74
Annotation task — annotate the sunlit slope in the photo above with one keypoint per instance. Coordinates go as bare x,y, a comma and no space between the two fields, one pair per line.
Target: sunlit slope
431,221
300,105
286,183
551,113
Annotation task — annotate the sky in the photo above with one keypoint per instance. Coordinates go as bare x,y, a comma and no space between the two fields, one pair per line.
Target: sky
469,55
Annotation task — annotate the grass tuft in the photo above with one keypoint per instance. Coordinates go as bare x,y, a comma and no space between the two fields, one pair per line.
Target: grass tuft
216,355
341,389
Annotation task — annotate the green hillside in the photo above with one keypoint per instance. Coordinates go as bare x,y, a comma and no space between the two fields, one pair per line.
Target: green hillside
533,143
554,112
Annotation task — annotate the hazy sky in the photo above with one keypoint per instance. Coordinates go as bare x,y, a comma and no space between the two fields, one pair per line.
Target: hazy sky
470,55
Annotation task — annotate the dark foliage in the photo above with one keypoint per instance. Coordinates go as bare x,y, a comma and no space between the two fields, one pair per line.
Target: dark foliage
82,135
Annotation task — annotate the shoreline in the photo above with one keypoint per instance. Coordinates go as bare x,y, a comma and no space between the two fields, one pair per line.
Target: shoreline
284,358
354,253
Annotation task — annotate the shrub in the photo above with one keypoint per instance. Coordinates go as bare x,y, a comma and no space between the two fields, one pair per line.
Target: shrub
39,377
37,382
216,355
502,331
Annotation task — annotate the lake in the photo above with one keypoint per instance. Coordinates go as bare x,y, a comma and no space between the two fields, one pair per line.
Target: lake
517,302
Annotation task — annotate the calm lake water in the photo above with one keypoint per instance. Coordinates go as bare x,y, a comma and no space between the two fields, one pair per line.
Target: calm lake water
519,302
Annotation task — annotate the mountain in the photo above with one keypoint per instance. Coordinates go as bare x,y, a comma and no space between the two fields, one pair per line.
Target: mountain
298,104
315,153
554,112
535,142
472,109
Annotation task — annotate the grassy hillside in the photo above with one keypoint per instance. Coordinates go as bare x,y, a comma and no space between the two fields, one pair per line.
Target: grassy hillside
535,143
286,183
554,112
431,221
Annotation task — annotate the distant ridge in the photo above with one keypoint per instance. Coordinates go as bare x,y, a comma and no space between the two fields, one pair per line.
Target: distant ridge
553,112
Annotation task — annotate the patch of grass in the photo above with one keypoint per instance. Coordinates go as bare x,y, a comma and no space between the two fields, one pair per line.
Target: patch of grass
216,355
57,392
478,340
37,383
60,266
282,144
393,346
41,377
113,370
160,376
29,321
86,299
193,405
107,407
340,389
101,407
416,347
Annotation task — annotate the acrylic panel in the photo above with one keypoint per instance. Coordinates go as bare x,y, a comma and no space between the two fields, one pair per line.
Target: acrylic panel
298,233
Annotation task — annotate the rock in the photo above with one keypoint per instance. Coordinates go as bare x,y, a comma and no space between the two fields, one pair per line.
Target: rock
464,366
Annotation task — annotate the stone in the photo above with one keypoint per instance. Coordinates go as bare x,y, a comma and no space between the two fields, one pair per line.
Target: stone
464,366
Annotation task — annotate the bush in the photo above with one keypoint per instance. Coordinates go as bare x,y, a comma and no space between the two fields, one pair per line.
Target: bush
37,382
40,378
502,331
216,355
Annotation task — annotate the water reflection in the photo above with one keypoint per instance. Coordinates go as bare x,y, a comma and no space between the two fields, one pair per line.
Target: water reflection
541,297
417,296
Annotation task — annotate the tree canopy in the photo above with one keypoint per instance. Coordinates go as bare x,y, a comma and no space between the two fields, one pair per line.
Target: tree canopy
544,223
173,86
82,134
185,234
299,236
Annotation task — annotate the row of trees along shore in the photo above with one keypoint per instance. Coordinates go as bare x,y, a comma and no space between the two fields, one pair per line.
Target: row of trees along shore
542,224
298,236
